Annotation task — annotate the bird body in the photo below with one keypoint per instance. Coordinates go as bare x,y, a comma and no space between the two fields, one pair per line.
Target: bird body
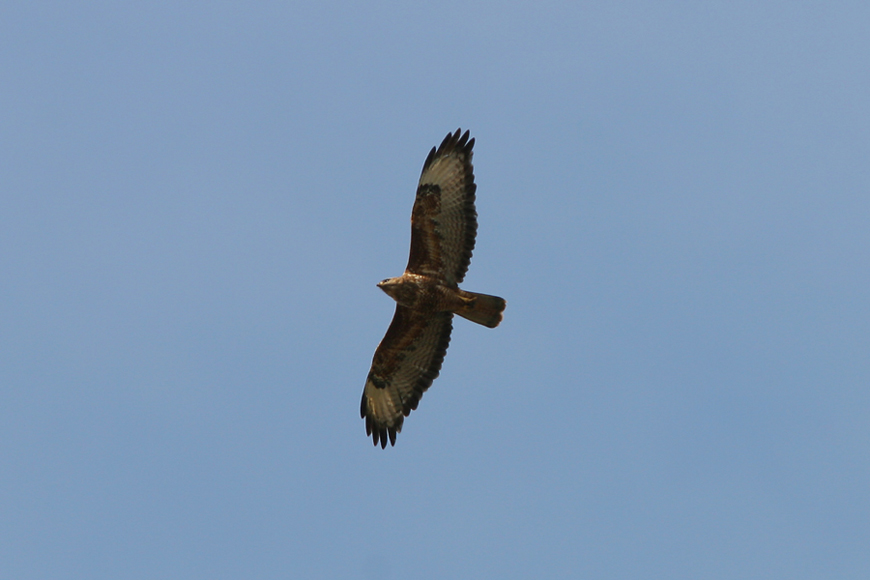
427,295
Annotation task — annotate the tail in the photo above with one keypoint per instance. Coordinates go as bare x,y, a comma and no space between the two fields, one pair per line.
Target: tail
482,308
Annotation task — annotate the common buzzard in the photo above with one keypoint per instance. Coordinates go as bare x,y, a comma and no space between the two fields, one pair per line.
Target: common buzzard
443,228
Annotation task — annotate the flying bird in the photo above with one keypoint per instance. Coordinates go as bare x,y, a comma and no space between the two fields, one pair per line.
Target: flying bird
427,295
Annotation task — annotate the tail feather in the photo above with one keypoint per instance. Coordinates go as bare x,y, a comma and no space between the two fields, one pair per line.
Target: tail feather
482,309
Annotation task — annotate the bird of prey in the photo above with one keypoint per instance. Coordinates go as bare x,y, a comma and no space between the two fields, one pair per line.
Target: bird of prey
427,295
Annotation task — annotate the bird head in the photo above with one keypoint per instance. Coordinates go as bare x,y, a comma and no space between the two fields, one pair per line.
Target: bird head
390,286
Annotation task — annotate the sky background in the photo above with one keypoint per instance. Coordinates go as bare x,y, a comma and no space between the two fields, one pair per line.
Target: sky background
197,199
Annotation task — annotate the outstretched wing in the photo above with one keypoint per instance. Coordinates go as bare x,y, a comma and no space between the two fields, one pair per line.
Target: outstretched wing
444,220
404,366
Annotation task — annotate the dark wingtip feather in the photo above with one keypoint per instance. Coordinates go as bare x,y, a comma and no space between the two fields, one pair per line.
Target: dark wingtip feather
457,141
450,137
461,141
377,433
429,159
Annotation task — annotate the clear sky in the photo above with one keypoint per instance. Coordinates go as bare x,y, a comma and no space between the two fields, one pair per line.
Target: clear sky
197,199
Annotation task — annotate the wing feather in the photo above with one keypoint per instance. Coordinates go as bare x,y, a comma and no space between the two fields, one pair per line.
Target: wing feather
404,366
444,219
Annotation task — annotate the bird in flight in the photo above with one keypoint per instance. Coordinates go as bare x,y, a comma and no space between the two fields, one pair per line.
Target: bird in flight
427,295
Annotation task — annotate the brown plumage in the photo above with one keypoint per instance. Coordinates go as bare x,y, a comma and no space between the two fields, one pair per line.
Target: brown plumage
443,229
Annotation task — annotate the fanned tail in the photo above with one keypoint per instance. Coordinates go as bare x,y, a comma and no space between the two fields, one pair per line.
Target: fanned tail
482,308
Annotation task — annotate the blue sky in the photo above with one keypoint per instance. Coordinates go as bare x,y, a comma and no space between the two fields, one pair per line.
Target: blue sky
197,199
